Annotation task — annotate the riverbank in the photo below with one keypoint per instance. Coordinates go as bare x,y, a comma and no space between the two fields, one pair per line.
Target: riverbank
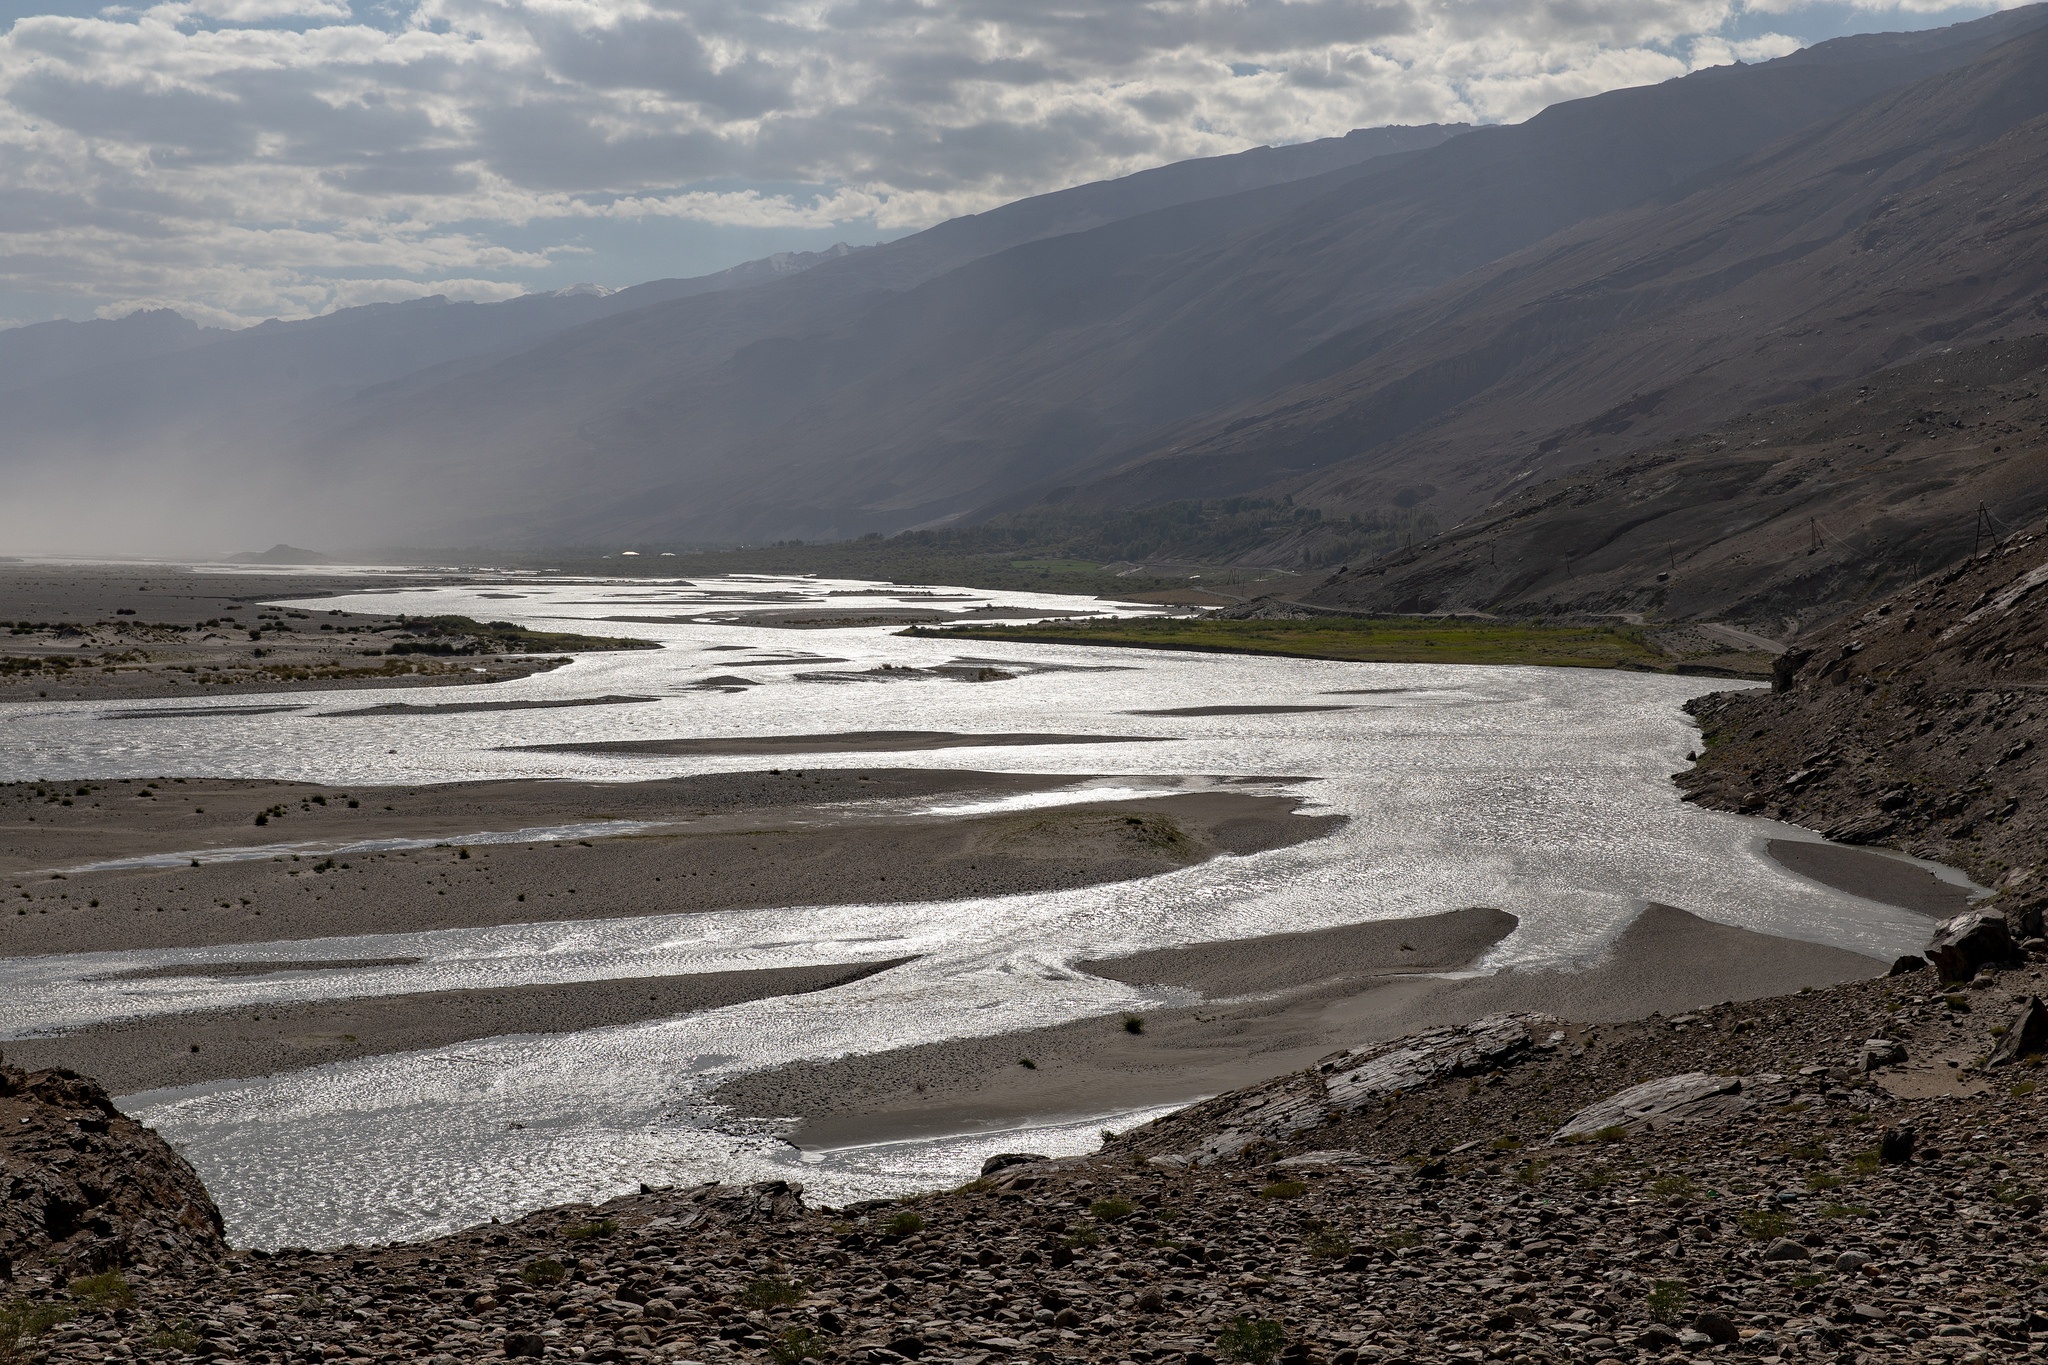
1441,640
1409,1202
84,632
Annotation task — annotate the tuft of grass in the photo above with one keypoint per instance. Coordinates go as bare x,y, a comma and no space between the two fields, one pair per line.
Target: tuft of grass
2023,1088
603,1227
1506,1142
771,1293
1678,1187
1134,1023
1251,1341
1597,1177
796,1344
1763,1225
1080,1236
1027,1064
178,1336
1112,1210
1613,1132
1394,1239
1283,1189
1531,1171
1667,1301
904,1224
546,1270
1823,1180
1329,1242
21,1322
108,1289
1843,1211
1865,1163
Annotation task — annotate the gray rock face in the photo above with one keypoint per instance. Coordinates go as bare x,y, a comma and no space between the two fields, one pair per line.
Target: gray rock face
2026,1035
1002,1161
1881,1052
1970,941
1669,1101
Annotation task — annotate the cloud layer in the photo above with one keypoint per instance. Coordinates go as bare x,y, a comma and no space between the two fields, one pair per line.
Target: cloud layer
238,159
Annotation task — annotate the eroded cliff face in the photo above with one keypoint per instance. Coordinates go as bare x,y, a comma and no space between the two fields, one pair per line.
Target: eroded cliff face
90,1189
1915,725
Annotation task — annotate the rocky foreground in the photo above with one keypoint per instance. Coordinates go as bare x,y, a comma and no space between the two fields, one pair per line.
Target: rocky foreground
1855,1173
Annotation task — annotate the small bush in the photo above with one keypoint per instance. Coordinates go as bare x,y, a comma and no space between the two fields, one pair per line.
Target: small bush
1865,1163
1394,1239
1081,1236
179,1336
21,1322
1957,1002
1506,1142
1531,1171
1283,1189
1027,1064
1763,1225
103,1291
1680,1188
771,1293
603,1227
1597,1177
1329,1242
543,1271
1253,1341
2023,1088
1667,1301
1112,1210
1613,1132
796,1344
903,1224
1134,1023
1823,1180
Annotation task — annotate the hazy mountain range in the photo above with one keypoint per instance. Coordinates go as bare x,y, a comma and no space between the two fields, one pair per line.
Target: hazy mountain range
1408,317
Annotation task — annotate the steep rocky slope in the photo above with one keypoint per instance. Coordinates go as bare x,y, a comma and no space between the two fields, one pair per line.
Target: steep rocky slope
1914,724
1779,520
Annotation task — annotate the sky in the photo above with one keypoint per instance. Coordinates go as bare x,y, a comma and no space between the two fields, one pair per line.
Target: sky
243,159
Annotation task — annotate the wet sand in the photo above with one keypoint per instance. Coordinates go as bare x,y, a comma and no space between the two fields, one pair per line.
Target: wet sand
212,1045
793,845
1873,876
848,742
1349,989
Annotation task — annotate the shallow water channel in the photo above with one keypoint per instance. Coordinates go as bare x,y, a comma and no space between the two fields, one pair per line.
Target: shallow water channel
1543,792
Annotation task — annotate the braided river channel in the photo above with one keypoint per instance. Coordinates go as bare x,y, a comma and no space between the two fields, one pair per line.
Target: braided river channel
1543,792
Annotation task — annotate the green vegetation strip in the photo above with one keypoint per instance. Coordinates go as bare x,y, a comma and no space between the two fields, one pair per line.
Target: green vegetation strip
1364,639
461,635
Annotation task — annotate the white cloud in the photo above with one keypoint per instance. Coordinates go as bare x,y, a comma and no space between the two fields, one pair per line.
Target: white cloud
239,158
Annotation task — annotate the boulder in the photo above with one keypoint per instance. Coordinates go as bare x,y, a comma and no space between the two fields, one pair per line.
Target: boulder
1668,1101
1907,965
2025,1035
1785,1249
1881,1052
1895,1148
1002,1161
1968,942
1718,1328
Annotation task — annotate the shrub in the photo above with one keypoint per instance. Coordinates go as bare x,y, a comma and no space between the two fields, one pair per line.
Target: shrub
179,1336
1134,1023
1865,1163
1329,1242
1081,1236
543,1271
106,1290
771,1293
1763,1225
1531,1171
1253,1341
1597,1177
1394,1239
1283,1189
1667,1301
796,1344
1680,1188
21,1322
904,1224
1112,1210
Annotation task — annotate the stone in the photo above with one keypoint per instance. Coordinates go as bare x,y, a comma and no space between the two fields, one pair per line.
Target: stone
2025,1035
1881,1052
1717,1328
1895,1146
1003,1161
1907,965
1665,1102
525,1345
1785,1249
1656,1337
1851,1261
1965,944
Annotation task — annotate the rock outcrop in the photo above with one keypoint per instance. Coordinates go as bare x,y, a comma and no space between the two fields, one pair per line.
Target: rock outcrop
89,1188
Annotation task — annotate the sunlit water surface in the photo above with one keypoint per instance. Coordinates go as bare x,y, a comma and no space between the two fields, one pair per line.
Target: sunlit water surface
1543,792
